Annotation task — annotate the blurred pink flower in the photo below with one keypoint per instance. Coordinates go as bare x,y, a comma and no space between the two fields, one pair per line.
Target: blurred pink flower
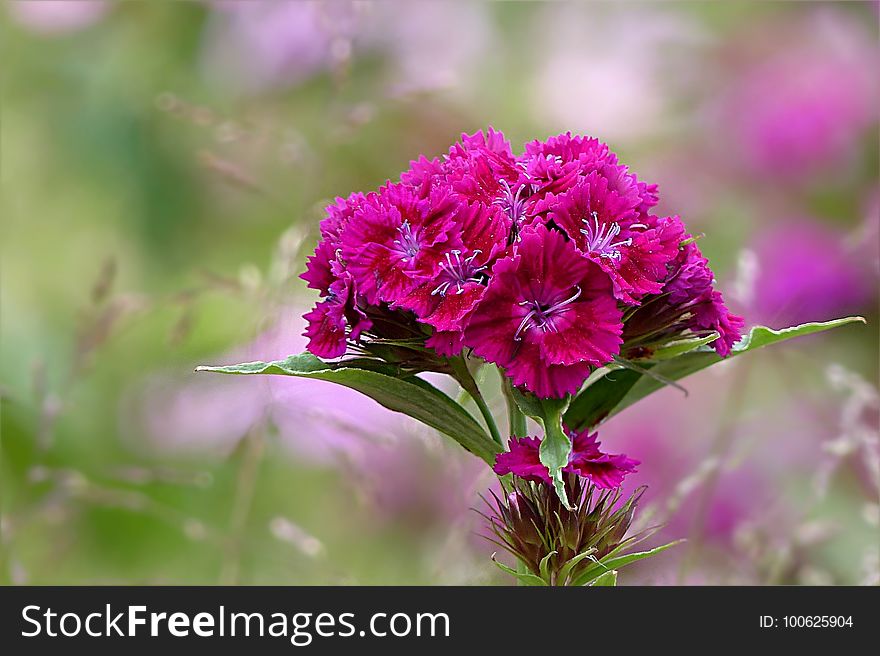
815,276
261,44
678,457
431,45
56,16
612,70
400,469
801,103
318,421
420,481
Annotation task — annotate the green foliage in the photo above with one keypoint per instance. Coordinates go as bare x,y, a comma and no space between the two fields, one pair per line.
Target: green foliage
407,394
613,562
556,444
606,579
620,388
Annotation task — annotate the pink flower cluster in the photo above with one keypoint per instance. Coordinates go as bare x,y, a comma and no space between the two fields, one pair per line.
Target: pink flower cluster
531,262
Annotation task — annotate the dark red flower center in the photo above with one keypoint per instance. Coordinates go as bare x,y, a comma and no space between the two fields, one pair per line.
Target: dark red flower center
543,316
456,271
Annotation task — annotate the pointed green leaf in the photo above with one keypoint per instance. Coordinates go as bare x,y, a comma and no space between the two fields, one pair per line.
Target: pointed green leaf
566,569
538,408
606,579
409,394
544,567
555,452
682,346
526,578
619,389
610,562
555,445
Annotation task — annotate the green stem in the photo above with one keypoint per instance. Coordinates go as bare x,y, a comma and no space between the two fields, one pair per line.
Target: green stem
245,487
516,420
487,416
468,384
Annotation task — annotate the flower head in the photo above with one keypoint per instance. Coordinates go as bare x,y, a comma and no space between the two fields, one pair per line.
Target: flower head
547,315
555,543
527,262
395,239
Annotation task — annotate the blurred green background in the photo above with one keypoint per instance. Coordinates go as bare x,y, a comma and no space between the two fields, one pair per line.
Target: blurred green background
164,167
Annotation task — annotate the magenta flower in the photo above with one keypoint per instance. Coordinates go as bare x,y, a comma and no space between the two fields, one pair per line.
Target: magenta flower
690,290
522,261
548,315
815,277
319,273
481,166
605,224
336,319
397,238
604,470
554,165
457,283
522,459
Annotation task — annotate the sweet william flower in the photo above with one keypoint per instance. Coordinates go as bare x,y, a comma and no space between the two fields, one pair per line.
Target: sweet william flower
481,166
603,470
547,315
687,305
606,224
526,262
319,272
690,289
457,282
555,165
396,239
336,320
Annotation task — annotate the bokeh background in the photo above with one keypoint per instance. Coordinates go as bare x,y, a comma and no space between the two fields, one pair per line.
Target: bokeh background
164,167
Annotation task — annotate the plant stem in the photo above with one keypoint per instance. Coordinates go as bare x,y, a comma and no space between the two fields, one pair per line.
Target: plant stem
516,420
241,506
487,416
468,384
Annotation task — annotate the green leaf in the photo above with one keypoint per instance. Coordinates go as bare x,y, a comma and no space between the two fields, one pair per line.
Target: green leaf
611,562
526,578
606,579
544,567
566,569
555,452
536,407
681,346
620,388
410,395
555,445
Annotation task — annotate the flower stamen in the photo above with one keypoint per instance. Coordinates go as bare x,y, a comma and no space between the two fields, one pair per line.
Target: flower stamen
459,272
542,318
514,205
600,239
408,244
